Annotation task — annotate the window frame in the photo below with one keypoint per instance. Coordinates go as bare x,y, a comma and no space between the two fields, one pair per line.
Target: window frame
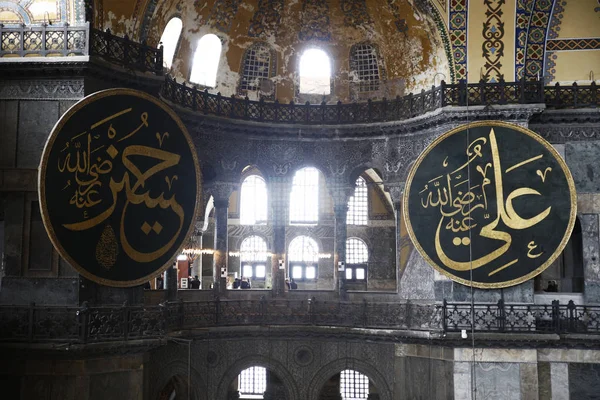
355,206
254,371
301,96
196,59
270,74
306,191
242,201
177,43
348,391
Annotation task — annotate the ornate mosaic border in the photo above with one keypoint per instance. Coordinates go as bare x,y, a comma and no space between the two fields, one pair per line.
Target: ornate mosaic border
457,26
522,18
493,45
536,39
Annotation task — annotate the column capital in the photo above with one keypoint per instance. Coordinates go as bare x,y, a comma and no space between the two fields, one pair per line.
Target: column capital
396,191
221,191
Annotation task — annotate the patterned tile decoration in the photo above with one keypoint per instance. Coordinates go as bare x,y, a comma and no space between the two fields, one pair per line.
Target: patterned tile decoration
443,30
266,19
355,13
458,35
536,39
573,44
493,46
400,22
522,18
222,14
315,20
553,32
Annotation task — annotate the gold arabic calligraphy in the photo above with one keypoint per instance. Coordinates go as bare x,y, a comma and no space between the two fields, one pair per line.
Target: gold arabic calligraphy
88,168
457,199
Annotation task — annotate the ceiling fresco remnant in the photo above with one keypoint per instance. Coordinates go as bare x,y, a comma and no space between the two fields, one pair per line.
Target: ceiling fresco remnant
223,13
355,13
266,19
315,21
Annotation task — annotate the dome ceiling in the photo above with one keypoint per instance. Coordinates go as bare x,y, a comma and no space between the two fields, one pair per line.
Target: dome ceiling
418,42
409,46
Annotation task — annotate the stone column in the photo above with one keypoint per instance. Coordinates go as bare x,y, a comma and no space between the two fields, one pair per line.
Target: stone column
171,283
591,257
339,251
396,191
220,193
279,199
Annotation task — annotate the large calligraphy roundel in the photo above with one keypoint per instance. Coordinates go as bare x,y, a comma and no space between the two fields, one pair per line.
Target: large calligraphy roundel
490,204
119,185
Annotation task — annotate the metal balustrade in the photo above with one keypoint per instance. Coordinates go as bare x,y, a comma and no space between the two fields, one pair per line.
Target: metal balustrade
109,323
43,40
527,318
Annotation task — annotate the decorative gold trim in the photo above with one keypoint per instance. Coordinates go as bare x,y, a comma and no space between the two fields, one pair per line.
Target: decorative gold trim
42,183
572,195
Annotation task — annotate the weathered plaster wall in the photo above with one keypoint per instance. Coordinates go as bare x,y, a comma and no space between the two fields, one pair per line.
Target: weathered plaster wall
407,38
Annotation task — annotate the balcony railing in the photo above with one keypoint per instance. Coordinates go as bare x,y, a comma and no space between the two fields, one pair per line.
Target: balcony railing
44,40
23,41
398,109
100,324
125,52
528,318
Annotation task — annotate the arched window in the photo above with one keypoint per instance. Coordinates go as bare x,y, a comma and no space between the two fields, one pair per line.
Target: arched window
252,383
169,40
253,201
365,67
303,256
358,205
357,257
353,385
253,257
304,199
206,61
315,72
257,68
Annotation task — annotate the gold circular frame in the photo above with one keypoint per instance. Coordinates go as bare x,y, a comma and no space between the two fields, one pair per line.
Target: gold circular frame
547,146
42,183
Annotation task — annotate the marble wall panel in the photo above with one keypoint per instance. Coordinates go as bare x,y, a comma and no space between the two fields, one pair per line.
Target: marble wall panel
584,381
36,120
559,381
8,138
498,380
582,159
591,257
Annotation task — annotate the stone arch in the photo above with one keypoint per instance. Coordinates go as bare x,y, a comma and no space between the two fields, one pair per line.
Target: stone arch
177,371
273,366
334,367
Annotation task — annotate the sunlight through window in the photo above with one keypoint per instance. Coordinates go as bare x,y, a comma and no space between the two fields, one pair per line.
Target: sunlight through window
206,61
315,72
169,40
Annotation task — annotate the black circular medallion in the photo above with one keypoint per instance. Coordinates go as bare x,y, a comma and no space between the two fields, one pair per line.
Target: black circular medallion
119,185
490,204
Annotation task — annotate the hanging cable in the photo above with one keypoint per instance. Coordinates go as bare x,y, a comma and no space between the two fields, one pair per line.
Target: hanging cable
473,379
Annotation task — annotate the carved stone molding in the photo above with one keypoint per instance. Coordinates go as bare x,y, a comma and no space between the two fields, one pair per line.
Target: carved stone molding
55,89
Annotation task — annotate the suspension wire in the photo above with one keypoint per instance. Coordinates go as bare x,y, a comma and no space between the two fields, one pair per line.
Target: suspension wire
473,379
